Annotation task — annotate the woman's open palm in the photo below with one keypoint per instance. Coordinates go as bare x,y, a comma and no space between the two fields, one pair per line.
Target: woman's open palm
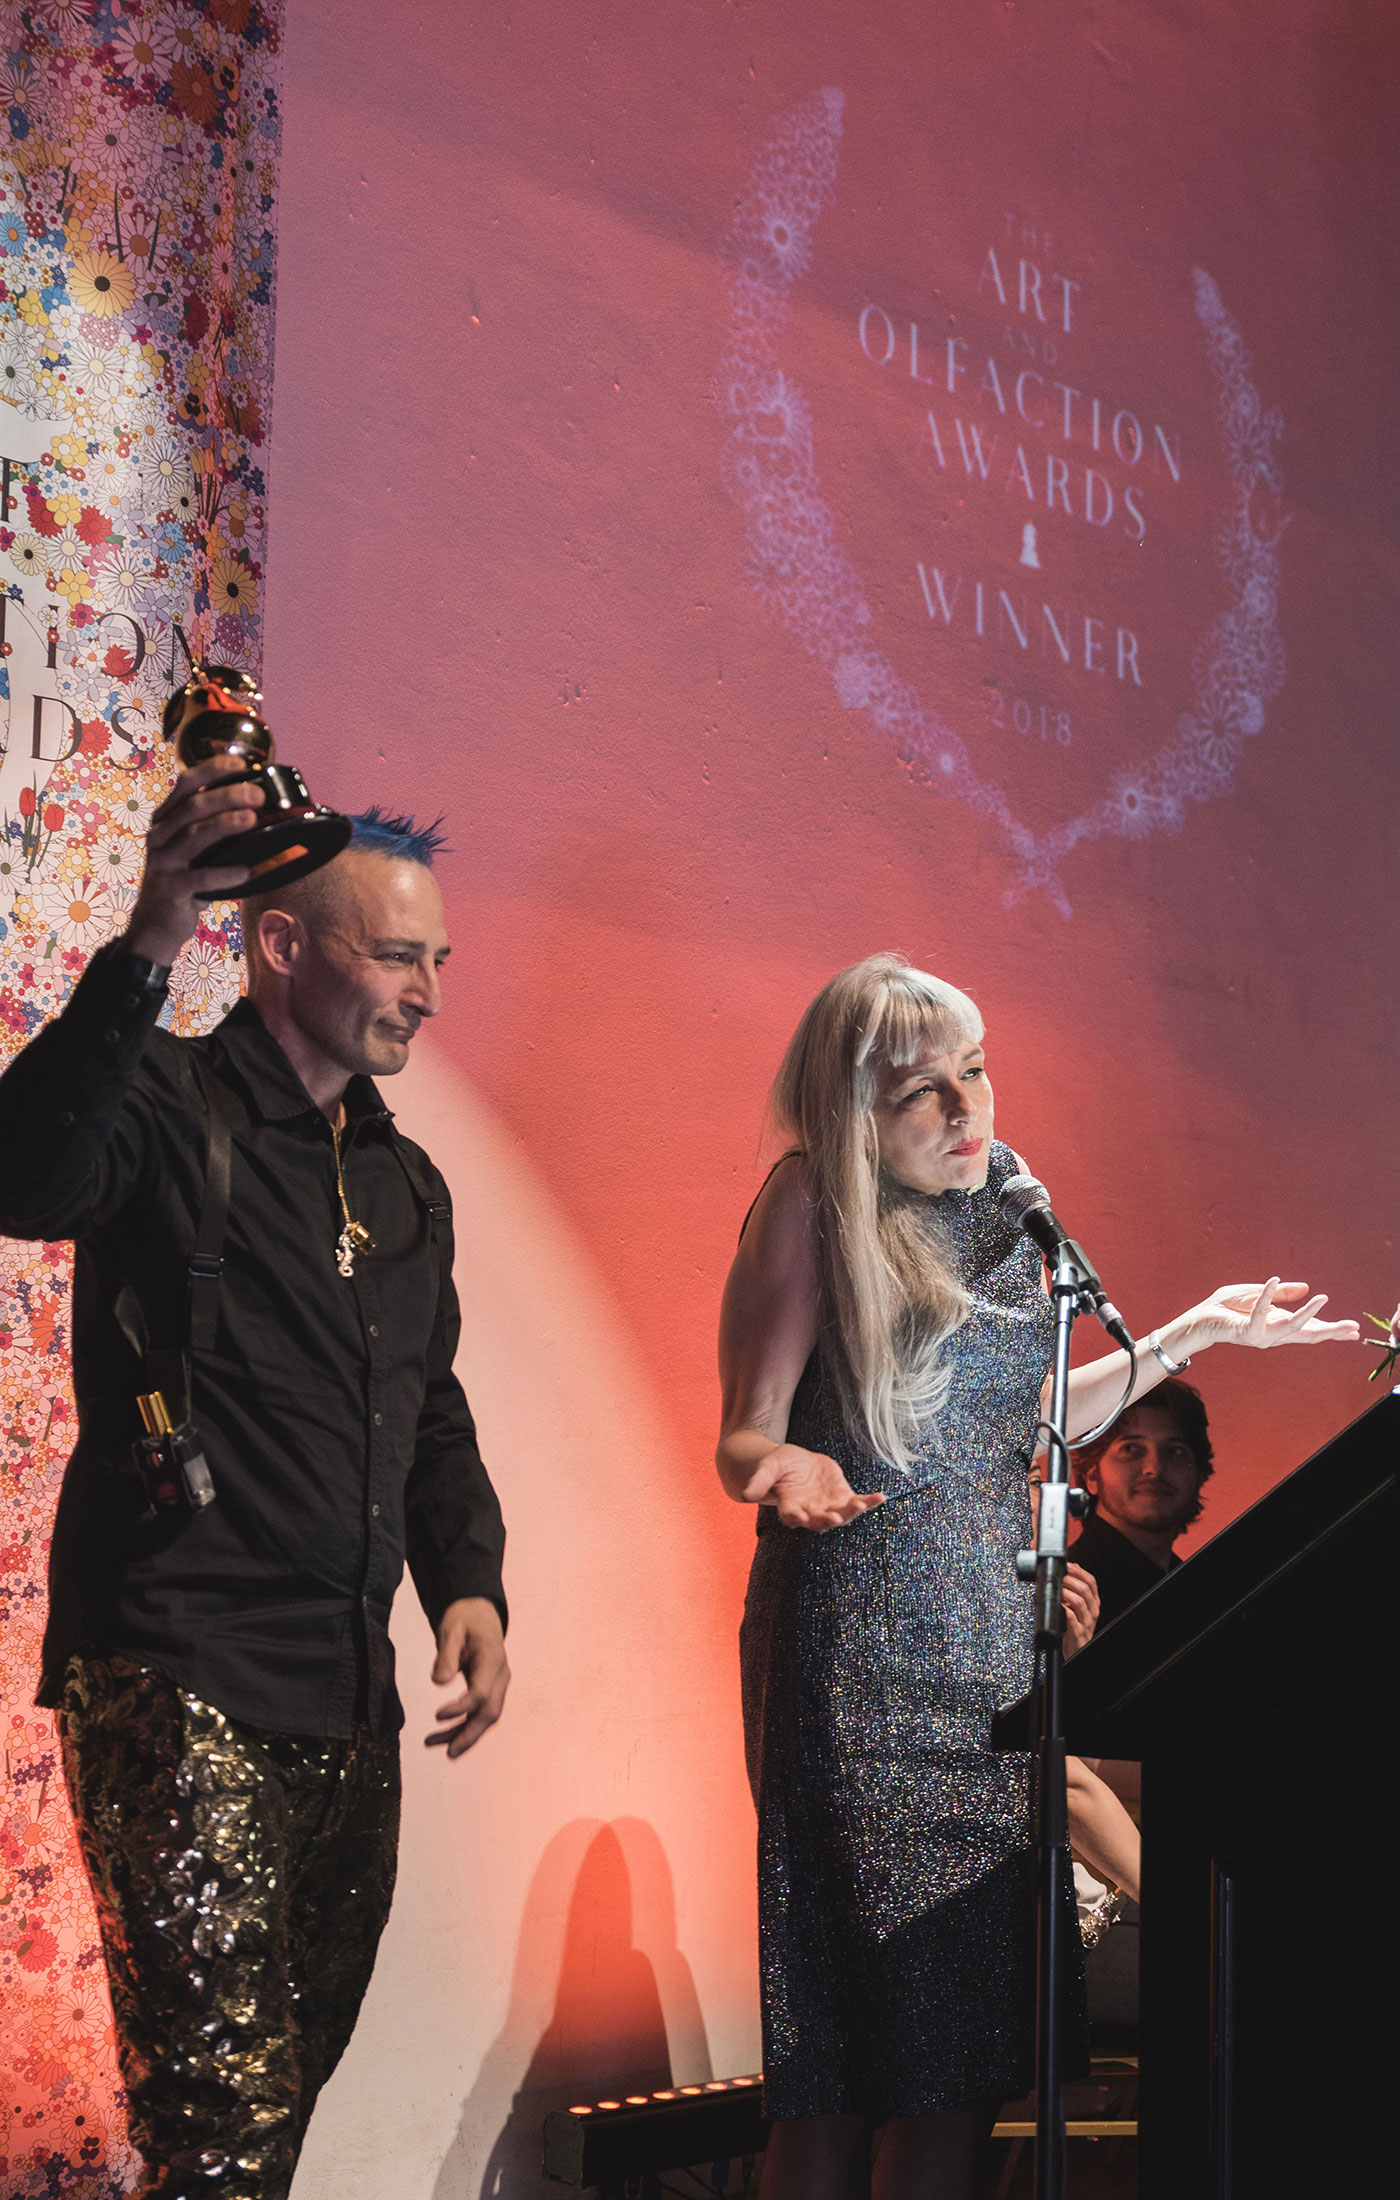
809,1490
1266,1314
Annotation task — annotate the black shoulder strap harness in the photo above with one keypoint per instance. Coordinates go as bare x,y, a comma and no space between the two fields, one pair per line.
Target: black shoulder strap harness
438,1210
207,1259
169,1458
168,1358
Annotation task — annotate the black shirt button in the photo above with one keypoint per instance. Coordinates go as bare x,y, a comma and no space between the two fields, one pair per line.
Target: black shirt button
65,1121
111,1038
374,1329
374,1512
133,1000
379,1420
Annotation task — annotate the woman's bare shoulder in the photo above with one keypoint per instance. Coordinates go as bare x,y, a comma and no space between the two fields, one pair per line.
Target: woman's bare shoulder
768,1318
786,1203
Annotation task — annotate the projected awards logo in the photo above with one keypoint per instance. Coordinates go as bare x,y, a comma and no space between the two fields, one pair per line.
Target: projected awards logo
1047,458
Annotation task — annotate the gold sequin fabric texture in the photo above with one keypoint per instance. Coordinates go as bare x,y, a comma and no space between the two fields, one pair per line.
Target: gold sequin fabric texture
896,1899
242,1881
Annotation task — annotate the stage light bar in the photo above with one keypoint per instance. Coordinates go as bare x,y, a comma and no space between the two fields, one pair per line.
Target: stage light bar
605,2142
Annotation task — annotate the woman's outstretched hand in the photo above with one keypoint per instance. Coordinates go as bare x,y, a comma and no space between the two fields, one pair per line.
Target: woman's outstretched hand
807,1489
1263,1314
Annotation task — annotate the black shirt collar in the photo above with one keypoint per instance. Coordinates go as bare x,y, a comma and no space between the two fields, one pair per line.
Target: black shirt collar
1101,1534
268,1079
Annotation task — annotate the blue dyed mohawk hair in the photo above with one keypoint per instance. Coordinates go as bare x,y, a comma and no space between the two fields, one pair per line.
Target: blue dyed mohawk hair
399,836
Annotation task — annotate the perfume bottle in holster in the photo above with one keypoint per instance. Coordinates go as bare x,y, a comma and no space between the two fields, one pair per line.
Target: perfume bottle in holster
170,1456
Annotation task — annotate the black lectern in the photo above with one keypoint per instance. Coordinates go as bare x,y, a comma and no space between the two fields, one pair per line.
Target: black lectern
1258,1687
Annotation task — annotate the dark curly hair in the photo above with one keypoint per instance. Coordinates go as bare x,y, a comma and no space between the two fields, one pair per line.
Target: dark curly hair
1187,1408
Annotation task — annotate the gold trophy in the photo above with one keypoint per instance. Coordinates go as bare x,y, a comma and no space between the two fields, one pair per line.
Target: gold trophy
215,714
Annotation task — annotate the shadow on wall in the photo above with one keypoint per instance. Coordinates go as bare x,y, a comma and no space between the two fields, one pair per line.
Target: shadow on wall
626,2014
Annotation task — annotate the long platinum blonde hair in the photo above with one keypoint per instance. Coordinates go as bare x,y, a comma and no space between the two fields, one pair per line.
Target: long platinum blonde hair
890,1297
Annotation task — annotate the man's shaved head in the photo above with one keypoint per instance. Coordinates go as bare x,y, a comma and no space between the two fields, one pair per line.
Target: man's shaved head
343,964
315,901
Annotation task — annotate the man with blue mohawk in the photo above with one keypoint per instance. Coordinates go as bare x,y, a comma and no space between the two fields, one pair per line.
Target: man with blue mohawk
264,1325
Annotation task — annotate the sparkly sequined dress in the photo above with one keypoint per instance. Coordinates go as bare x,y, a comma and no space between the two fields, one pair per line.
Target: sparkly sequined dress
895,1893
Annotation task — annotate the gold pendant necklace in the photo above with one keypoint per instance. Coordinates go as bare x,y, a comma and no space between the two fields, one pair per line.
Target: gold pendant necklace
354,1238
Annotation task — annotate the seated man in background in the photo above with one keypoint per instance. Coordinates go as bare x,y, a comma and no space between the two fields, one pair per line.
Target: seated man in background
1144,1478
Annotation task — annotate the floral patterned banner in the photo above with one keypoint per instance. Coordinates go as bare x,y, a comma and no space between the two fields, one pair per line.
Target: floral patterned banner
137,235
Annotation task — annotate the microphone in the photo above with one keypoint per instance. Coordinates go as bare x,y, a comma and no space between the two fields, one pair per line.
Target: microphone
1025,1201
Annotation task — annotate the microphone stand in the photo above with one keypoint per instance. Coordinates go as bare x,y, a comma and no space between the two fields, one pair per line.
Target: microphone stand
1045,1565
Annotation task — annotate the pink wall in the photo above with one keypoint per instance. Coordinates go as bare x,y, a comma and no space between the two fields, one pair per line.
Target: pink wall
507,579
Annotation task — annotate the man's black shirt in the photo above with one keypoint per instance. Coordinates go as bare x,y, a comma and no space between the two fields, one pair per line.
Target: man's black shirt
337,1435
1121,1570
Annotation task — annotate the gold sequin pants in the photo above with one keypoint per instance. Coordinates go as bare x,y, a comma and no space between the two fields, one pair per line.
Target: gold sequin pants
242,1881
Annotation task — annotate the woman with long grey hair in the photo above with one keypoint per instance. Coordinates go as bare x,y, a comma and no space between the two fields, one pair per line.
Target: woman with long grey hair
885,1338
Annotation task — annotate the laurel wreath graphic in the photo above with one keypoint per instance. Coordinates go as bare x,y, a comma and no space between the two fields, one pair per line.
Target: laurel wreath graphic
810,585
